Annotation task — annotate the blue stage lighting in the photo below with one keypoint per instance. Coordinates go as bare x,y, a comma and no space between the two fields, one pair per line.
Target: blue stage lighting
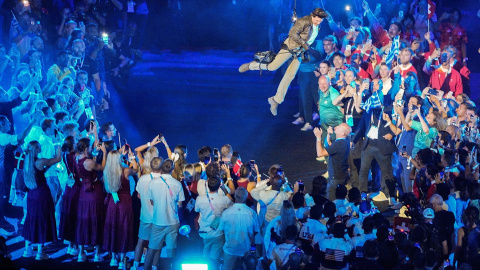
187,266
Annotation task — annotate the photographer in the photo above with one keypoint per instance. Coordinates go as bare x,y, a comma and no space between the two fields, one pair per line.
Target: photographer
271,193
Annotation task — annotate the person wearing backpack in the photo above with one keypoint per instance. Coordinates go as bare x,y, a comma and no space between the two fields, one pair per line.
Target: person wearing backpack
468,243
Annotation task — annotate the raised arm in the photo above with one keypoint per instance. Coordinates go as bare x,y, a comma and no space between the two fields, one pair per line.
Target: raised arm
169,152
321,152
375,24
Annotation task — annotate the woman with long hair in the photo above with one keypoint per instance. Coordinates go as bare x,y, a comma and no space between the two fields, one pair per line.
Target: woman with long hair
275,233
147,152
179,156
68,212
91,209
193,173
244,181
40,226
118,231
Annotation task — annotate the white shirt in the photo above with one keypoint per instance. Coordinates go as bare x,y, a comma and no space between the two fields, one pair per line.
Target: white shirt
276,225
314,34
302,212
48,151
281,254
202,205
359,241
239,223
260,192
165,206
203,191
33,135
310,229
20,121
146,211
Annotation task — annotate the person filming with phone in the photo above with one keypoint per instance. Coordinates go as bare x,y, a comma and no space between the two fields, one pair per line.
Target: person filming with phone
337,151
445,77
271,193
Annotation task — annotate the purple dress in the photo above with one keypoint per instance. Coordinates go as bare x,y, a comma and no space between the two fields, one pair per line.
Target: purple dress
91,208
40,226
118,236
68,214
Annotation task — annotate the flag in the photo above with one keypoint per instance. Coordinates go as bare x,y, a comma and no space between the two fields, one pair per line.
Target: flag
431,9
394,51
373,102
334,255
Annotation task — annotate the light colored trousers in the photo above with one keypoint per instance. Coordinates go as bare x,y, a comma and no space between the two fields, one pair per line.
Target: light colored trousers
282,57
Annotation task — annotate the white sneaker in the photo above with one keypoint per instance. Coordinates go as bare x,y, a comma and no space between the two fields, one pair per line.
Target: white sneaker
273,106
120,265
98,258
315,116
298,121
28,252
114,262
245,67
296,115
307,127
142,260
380,197
82,257
42,256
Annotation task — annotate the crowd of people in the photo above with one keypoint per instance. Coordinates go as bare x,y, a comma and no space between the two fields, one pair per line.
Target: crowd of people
396,124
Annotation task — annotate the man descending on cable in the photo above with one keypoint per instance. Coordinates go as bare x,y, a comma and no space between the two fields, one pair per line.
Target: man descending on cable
300,36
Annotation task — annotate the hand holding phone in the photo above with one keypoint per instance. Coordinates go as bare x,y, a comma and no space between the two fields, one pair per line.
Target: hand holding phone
432,91
301,186
105,38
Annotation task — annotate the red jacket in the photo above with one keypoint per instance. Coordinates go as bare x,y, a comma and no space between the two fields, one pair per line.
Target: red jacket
438,77
404,72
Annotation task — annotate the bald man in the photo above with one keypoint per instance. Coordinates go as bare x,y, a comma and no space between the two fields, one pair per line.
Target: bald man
330,115
444,221
337,153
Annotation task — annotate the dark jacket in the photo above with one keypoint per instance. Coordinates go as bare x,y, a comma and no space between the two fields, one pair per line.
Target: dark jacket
386,147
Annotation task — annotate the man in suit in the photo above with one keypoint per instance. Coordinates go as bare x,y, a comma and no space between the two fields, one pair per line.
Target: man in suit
378,141
300,36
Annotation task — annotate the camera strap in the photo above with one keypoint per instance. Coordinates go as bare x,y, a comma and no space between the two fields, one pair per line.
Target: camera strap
208,197
273,199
